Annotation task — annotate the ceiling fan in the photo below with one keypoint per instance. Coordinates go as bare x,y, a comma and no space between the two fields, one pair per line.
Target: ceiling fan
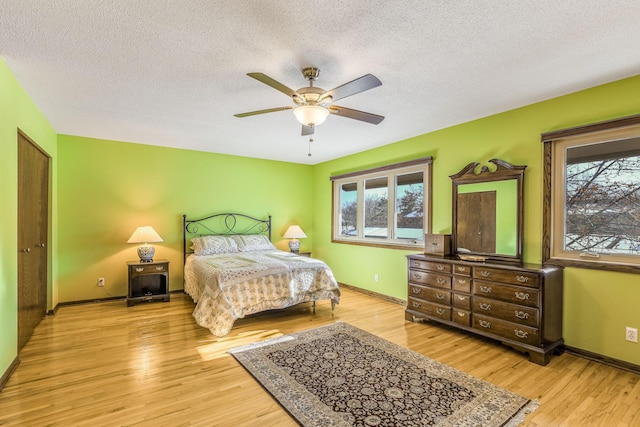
314,104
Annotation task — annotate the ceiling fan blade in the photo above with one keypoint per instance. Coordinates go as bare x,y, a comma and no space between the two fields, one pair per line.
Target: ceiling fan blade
274,84
270,110
307,130
366,82
355,114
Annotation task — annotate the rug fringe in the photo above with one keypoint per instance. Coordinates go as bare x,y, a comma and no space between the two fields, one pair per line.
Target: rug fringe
519,417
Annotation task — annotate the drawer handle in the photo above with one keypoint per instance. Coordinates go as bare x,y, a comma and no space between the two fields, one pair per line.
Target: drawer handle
462,281
485,273
416,291
440,311
484,324
461,297
159,268
441,281
416,275
416,305
461,313
520,334
485,307
462,268
415,263
485,289
522,296
522,279
439,295
522,315
440,267
139,269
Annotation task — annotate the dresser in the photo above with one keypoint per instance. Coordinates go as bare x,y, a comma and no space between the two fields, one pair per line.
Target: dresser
517,304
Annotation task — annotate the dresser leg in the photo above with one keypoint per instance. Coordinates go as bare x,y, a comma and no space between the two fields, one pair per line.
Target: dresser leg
539,358
409,317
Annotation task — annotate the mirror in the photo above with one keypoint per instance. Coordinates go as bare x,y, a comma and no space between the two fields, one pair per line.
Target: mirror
488,212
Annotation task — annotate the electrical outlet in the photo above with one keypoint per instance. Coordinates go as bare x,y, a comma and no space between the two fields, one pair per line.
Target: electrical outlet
632,334
375,277
101,281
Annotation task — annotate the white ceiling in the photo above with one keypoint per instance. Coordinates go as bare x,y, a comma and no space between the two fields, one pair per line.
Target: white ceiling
173,72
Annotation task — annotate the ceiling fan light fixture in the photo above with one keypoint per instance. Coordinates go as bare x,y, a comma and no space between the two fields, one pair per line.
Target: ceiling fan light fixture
311,115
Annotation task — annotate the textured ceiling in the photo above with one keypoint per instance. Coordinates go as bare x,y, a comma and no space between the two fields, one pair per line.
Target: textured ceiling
173,73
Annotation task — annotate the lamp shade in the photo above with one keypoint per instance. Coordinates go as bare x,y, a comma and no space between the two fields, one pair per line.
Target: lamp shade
311,115
144,234
294,232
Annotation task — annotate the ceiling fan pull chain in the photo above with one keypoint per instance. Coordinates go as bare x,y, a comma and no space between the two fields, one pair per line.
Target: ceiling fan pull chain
310,141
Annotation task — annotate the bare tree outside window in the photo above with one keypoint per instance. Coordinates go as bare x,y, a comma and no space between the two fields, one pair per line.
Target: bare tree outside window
348,210
603,206
376,207
411,207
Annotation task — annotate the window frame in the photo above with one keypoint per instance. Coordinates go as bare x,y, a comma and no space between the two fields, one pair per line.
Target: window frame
390,172
555,144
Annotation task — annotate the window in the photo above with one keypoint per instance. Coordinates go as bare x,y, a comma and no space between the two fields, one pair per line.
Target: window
593,184
387,206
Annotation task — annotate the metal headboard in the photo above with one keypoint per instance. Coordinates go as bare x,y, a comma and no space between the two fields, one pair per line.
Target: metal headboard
222,224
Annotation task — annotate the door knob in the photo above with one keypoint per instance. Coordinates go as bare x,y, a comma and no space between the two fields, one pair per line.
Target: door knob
40,245
27,250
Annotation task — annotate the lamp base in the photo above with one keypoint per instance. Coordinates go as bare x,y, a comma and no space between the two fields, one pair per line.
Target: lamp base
294,245
146,253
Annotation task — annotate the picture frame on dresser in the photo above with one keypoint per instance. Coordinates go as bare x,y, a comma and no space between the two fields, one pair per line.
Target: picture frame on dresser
485,291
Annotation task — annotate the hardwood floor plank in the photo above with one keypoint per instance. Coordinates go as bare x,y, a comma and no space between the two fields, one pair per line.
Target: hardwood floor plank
149,365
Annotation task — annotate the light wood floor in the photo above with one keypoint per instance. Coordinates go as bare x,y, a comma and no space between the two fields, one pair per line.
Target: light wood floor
106,364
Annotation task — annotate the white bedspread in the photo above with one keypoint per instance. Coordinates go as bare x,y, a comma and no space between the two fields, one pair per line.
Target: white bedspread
227,287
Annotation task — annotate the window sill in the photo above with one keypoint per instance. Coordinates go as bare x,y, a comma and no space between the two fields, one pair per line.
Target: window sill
385,245
594,265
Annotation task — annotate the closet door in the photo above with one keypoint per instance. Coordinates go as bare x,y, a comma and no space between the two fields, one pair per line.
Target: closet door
33,214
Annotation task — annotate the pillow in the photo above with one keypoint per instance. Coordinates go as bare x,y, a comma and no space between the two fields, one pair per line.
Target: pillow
253,242
210,245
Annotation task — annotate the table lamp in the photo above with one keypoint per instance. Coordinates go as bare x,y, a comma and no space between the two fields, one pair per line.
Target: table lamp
294,233
145,235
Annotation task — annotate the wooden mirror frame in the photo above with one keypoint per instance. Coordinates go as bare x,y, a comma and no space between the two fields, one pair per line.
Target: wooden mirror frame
504,171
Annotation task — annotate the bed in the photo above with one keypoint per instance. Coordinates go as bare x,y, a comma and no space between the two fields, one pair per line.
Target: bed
232,270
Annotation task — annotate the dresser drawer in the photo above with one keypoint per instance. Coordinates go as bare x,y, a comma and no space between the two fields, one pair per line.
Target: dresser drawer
431,279
431,309
522,278
512,331
440,267
503,310
461,317
436,295
462,301
462,270
462,284
515,294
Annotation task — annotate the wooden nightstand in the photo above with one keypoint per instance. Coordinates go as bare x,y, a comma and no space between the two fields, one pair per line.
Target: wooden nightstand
307,254
148,281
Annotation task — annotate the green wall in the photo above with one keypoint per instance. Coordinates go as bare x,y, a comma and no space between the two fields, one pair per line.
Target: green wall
18,111
597,304
108,188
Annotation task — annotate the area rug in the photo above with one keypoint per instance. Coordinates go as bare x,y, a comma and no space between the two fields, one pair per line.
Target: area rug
339,375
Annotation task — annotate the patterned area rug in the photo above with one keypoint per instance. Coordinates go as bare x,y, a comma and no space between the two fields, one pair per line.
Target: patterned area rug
339,375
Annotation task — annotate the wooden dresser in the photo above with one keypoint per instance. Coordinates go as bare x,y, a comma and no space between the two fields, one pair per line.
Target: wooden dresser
518,304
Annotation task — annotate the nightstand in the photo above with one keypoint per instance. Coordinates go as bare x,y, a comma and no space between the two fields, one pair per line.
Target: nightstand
148,281
307,254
